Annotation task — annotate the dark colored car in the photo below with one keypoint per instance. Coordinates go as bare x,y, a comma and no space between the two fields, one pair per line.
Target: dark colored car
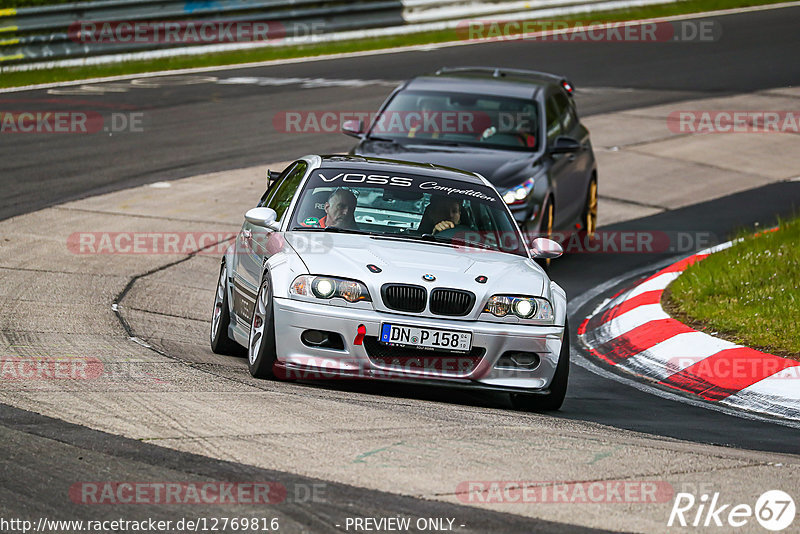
518,128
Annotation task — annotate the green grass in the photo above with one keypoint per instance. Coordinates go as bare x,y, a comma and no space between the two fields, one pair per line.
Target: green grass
749,293
15,79
35,3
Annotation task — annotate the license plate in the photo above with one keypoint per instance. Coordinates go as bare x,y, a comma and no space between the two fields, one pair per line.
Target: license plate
428,338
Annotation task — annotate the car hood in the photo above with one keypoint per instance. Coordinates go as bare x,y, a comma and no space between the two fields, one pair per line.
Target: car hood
504,168
404,261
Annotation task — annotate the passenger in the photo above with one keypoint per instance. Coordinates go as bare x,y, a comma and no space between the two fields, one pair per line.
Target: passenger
441,214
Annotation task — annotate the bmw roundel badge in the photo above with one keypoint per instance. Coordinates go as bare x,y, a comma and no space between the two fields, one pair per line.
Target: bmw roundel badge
428,277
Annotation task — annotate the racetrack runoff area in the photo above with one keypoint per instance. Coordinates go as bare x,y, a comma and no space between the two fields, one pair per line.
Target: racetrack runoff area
183,397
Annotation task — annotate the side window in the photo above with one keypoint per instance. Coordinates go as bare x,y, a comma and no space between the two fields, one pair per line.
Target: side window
553,120
271,191
285,189
564,111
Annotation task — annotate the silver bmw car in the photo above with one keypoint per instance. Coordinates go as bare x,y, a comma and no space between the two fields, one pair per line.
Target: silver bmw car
356,268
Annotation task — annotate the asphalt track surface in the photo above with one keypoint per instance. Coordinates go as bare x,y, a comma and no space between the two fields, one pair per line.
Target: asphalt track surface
193,129
200,128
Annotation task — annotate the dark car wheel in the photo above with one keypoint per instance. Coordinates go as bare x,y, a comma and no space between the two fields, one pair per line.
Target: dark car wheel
558,386
261,345
221,319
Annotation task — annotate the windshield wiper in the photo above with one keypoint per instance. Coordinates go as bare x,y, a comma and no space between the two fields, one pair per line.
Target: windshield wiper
431,238
379,138
476,244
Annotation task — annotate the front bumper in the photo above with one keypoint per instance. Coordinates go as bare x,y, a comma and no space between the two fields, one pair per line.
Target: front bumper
491,340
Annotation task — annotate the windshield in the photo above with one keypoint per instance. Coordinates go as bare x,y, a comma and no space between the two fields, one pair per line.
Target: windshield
405,206
447,118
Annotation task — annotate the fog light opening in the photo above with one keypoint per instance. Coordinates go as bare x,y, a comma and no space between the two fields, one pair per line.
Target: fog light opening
322,339
525,361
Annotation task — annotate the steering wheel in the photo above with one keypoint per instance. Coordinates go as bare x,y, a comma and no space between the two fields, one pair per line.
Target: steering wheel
450,233
491,131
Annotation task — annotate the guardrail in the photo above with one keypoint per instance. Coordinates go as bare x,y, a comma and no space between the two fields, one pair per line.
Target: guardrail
108,27
116,30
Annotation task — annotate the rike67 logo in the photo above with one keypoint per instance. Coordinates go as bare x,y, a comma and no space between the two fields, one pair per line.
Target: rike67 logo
774,510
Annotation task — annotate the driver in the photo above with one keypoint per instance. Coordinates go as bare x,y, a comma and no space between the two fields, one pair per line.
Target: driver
339,210
427,111
446,211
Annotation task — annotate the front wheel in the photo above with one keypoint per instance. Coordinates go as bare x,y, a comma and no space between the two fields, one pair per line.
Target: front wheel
261,354
558,386
221,343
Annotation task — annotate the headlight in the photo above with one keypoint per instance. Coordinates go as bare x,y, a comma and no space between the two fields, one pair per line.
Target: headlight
323,288
518,194
524,308
535,308
326,287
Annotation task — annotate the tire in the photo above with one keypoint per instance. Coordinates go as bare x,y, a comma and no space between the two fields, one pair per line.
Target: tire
261,354
589,216
558,386
221,343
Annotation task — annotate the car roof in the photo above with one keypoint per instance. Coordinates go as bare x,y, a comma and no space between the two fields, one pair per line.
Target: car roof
515,83
362,163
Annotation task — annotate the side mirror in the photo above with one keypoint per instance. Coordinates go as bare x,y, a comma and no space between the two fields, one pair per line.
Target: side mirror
564,145
272,177
545,249
264,217
353,128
